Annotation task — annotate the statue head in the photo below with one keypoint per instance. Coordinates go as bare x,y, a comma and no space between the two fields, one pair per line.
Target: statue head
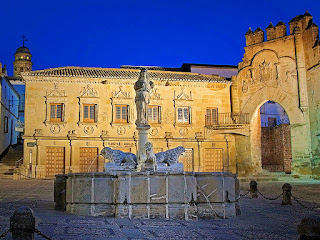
143,74
148,146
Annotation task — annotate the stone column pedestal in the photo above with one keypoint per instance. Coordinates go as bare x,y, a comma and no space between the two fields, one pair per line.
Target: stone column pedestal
143,136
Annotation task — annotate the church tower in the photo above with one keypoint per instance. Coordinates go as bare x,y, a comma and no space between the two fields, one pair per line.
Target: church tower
22,60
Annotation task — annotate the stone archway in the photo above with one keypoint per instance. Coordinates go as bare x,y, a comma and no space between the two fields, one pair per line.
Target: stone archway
276,151
300,139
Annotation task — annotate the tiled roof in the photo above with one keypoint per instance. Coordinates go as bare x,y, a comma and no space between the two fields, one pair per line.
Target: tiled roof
118,73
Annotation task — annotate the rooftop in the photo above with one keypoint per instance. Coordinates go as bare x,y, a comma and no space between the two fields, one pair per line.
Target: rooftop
22,49
122,73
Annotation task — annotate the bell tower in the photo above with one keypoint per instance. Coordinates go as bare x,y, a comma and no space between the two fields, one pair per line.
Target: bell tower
22,59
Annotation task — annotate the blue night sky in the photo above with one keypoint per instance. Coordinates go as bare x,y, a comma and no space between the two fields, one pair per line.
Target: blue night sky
160,33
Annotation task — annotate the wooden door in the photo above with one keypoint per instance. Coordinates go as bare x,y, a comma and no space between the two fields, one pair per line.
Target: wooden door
89,159
213,160
55,161
187,160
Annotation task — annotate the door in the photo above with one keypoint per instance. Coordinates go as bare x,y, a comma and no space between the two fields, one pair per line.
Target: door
213,160
187,160
89,159
55,161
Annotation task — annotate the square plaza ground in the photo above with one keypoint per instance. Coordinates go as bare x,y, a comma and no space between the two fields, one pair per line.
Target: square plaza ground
260,218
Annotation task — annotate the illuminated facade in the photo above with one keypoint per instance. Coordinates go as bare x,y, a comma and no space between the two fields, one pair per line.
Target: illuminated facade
72,112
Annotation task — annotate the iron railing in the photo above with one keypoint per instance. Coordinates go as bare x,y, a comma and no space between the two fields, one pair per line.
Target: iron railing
227,119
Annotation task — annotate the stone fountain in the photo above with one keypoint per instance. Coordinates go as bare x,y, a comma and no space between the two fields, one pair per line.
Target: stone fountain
147,185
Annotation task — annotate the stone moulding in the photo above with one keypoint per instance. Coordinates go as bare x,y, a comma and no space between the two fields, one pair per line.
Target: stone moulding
148,195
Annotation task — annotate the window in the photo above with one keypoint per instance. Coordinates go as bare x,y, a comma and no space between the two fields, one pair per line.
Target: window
6,124
89,112
21,69
56,112
122,113
212,116
154,113
184,115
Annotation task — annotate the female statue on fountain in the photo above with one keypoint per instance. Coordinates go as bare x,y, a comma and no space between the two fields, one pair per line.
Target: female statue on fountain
142,88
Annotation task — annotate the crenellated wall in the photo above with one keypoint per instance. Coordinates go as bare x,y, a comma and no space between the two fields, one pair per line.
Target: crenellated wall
284,69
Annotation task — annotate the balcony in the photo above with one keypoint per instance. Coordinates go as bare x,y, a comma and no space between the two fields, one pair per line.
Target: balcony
227,120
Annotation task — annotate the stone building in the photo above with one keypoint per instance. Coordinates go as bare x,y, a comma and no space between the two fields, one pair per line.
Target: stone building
8,112
72,112
284,69
22,63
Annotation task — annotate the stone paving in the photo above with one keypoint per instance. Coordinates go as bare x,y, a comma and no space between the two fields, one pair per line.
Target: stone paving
260,218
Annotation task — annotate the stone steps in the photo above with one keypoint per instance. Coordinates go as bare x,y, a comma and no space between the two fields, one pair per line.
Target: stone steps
269,176
7,163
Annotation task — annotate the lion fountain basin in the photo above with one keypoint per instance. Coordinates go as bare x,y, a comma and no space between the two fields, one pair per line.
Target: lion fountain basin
164,195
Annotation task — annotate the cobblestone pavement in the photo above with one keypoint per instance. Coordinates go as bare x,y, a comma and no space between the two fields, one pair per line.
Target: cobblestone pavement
260,218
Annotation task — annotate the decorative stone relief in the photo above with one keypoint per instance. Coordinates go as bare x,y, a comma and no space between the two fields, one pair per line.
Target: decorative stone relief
265,72
121,130
88,130
88,92
55,92
183,131
182,95
55,128
290,75
120,93
154,95
245,86
153,131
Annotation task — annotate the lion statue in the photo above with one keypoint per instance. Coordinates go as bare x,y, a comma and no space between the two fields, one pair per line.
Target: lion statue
169,157
119,158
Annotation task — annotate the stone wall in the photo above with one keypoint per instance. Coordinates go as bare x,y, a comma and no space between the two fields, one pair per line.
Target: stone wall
276,148
283,69
147,195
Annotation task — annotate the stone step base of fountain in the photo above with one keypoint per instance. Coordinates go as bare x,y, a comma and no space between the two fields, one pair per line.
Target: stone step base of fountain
147,195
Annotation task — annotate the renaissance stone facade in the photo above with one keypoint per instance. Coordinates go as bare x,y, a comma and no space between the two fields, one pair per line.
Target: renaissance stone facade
72,113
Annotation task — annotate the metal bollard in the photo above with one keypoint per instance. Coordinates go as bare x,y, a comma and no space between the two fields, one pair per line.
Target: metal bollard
253,189
23,224
286,196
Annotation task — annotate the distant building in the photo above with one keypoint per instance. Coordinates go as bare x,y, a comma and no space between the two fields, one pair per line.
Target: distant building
273,114
22,63
226,71
8,112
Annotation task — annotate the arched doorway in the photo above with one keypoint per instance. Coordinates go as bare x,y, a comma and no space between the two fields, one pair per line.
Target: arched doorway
276,151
